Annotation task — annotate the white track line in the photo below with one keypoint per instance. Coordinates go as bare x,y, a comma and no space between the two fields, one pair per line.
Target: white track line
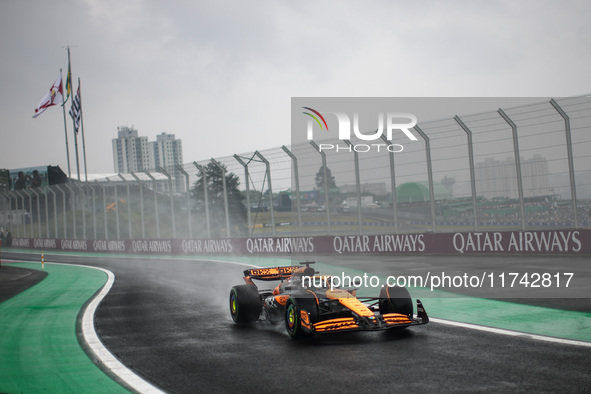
106,358
511,333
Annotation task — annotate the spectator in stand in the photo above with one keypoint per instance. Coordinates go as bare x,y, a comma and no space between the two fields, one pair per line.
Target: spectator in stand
36,179
21,182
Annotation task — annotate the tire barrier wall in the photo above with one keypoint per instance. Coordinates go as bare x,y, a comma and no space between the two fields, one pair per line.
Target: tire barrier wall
543,242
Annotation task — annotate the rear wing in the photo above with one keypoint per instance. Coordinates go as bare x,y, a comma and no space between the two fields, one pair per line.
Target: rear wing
276,273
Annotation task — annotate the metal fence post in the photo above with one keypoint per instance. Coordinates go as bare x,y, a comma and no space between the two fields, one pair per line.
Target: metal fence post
357,186
129,224
471,162
246,178
83,209
270,189
20,217
24,209
325,175
38,214
105,210
571,165
517,165
429,174
188,192
214,161
46,213
64,210
93,210
54,212
163,171
141,204
73,205
155,202
204,174
392,183
297,185
12,219
116,192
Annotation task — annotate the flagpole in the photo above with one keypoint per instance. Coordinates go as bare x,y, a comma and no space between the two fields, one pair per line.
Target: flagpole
66,133
76,146
82,126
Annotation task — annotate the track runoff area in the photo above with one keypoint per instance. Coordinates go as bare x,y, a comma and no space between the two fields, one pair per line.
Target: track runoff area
41,326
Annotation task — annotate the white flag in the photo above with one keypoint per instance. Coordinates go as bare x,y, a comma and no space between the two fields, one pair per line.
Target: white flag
53,97
75,111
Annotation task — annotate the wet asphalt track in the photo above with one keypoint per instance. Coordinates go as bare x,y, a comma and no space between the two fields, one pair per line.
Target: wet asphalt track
168,320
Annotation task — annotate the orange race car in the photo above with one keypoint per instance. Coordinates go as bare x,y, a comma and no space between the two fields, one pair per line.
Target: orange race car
310,305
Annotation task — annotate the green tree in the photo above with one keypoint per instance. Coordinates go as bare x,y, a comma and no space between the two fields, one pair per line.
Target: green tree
215,197
320,179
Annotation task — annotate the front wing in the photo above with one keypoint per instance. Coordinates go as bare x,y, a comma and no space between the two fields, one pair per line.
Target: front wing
378,323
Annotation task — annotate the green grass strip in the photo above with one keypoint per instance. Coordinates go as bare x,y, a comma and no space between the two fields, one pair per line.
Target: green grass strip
39,350
444,305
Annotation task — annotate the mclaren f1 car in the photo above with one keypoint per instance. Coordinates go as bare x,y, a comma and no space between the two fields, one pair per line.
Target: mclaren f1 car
308,304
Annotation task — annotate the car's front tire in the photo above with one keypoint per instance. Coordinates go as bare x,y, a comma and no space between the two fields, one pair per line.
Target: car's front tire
293,316
245,304
394,299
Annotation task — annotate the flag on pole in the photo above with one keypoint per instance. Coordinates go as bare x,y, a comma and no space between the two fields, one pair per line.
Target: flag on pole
68,82
75,111
53,97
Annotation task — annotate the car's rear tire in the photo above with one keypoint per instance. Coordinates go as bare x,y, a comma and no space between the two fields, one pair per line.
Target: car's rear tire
245,304
394,299
293,319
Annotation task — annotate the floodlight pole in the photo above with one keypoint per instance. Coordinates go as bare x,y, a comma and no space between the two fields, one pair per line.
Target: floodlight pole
429,173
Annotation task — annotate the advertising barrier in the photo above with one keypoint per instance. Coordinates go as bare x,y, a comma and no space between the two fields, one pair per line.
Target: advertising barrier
542,242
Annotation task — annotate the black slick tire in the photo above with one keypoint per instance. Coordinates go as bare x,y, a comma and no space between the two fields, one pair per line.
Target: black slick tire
394,299
245,304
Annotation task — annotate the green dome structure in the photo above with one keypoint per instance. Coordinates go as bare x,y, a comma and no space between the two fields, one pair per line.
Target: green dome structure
419,192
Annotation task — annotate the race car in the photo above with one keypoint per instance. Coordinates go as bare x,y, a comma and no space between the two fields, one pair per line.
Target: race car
309,304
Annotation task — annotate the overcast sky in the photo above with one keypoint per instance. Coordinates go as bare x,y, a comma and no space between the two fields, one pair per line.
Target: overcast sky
220,75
